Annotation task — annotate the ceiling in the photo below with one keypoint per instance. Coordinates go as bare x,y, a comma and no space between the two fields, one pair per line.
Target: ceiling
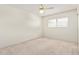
34,8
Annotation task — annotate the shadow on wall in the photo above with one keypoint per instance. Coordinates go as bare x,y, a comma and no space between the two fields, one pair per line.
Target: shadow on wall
17,25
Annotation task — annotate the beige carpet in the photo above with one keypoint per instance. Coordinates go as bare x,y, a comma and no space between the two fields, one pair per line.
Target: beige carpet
42,46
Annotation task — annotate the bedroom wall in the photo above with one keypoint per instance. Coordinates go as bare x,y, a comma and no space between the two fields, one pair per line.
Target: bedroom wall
17,26
78,28
67,34
78,23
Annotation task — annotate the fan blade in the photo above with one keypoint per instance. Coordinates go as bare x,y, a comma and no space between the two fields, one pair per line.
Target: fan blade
50,8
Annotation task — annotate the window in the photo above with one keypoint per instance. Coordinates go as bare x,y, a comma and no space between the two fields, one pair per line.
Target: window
62,22
59,22
52,23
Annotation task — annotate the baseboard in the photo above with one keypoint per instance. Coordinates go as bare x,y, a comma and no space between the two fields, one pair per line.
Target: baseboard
61,40
30,39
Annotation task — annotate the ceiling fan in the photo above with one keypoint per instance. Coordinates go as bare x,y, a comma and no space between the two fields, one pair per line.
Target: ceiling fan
44,7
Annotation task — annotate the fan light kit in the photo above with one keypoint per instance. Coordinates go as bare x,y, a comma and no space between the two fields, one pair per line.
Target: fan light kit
44,7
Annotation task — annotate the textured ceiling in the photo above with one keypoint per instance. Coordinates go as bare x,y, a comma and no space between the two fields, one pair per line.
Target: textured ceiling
34,8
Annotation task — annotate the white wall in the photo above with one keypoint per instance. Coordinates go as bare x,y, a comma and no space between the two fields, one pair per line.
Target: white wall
67,34
78,23
17,26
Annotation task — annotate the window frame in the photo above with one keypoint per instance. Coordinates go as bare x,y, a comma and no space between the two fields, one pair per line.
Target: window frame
57,26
